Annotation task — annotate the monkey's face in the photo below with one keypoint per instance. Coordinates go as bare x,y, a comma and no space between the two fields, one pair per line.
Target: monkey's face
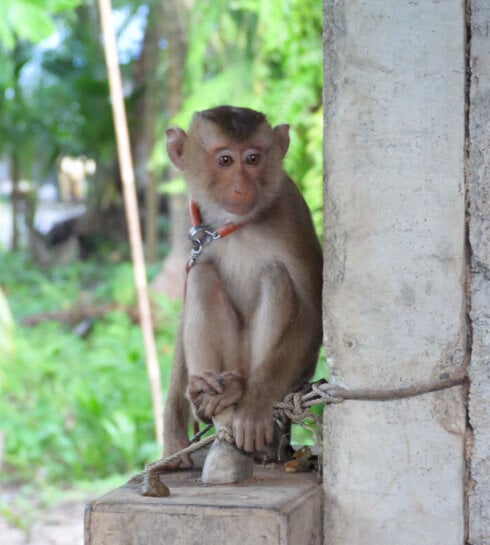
237,175
237,172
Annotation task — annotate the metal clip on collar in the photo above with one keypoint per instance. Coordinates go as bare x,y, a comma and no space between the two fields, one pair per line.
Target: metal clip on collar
200,235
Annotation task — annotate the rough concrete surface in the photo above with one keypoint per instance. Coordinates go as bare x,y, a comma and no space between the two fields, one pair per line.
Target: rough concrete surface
271,508
394,289
479,237
394,195
394,471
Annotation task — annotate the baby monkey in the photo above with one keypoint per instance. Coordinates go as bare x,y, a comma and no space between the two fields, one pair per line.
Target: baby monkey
251,326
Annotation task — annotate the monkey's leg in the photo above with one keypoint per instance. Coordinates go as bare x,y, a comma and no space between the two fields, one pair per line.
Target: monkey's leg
211,327
274,358
213,351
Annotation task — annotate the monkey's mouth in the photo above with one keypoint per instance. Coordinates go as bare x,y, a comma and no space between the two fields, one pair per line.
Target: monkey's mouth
239,208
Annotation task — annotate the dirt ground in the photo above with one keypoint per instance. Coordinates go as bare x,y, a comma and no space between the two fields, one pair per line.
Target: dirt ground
62,524
47,515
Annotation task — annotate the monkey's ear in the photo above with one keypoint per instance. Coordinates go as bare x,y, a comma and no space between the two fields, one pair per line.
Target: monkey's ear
176,138
282,136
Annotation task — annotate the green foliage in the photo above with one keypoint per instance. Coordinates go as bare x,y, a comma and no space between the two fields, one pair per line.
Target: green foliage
30,19
267,56
74,407
70,407
54,96
6,326
72,93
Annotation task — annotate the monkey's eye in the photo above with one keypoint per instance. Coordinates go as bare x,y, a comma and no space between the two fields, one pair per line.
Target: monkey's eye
225,160
253,159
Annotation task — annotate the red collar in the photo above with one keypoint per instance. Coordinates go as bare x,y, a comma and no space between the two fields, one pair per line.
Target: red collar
201,234
196,220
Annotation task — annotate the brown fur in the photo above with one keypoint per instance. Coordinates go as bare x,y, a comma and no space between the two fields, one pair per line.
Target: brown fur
251,327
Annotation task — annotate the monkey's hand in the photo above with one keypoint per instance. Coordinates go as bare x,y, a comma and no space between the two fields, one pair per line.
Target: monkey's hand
253,425
211,393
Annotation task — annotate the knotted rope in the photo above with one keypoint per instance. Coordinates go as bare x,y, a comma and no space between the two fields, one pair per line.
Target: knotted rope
297,407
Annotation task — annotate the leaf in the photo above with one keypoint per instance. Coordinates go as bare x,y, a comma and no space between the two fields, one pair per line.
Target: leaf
31,22
7,37
31,19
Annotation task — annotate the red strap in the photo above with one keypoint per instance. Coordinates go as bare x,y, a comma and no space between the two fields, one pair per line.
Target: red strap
196,219
228,228
194,212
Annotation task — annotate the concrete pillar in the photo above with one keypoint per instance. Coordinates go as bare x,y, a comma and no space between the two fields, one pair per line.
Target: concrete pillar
394,292
479,281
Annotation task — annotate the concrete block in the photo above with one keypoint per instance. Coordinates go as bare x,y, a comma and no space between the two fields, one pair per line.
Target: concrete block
394,471
271,508
479,238
479,415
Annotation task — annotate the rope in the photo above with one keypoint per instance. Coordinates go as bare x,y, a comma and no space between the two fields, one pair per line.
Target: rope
325,392
193,447
297,407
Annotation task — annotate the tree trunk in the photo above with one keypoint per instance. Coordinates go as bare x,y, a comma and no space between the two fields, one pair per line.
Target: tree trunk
170,279
148,110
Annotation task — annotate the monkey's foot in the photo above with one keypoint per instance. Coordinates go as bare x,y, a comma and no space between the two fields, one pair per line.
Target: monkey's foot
226,464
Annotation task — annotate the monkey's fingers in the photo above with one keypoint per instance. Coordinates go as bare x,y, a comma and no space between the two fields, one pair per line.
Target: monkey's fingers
252,438
223,403
232,396
215,380
198,384
264,434
208,407
199,403
209,382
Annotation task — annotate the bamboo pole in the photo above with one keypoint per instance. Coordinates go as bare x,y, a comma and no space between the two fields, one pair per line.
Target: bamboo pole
131,207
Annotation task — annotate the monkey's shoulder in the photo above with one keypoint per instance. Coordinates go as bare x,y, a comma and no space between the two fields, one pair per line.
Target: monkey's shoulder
291,216
290,206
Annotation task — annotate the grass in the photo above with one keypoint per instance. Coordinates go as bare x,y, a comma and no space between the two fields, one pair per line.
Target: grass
74,407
